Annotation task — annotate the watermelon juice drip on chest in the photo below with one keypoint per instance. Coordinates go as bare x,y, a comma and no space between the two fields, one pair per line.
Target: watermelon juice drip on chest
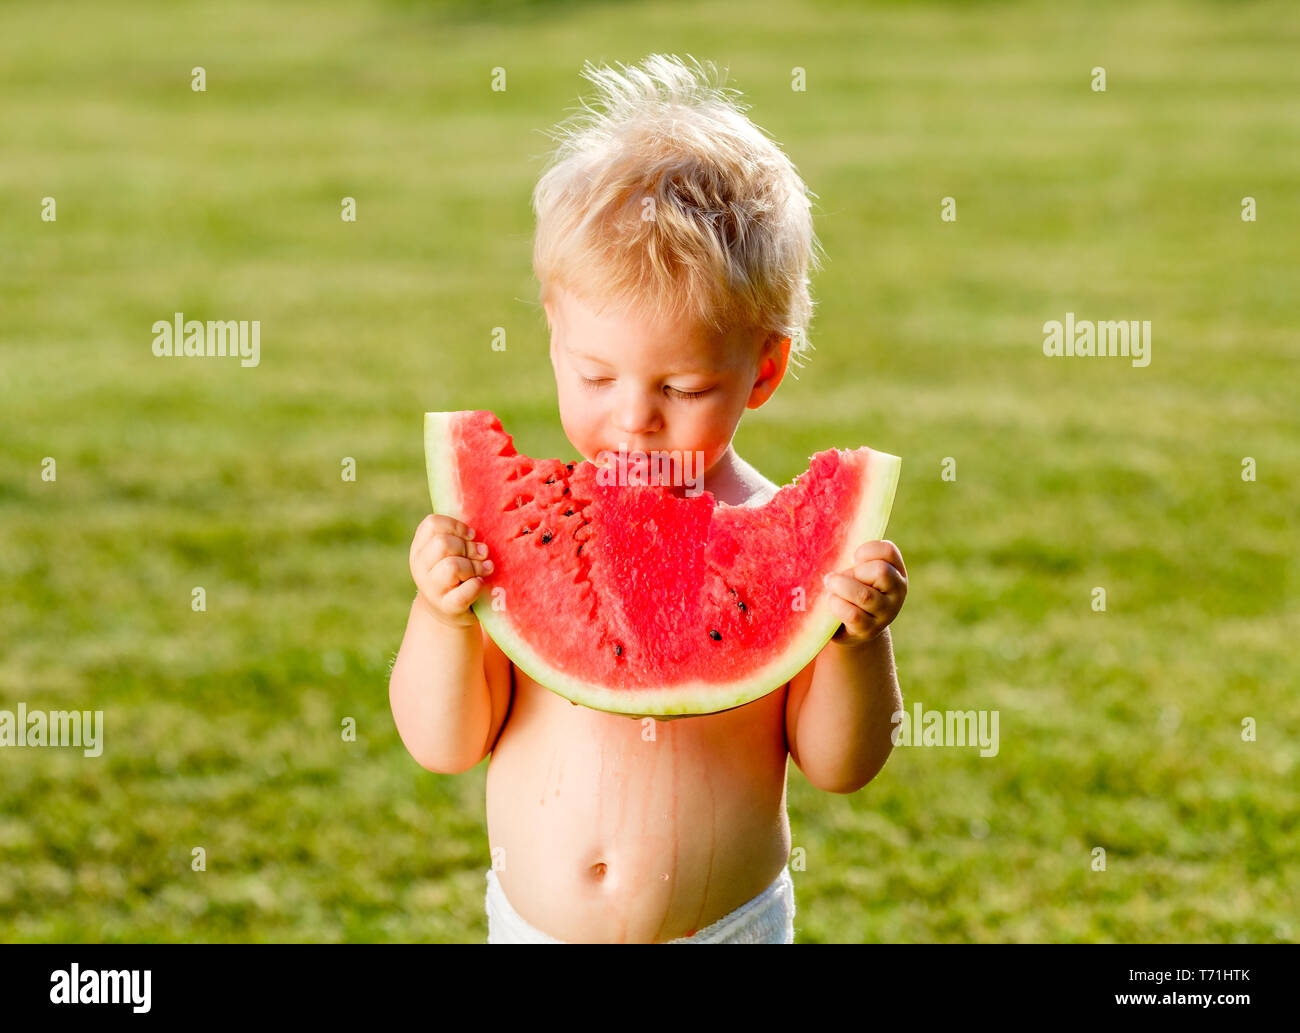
629,599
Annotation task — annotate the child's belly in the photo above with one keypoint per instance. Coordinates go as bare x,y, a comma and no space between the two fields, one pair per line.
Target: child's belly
602,835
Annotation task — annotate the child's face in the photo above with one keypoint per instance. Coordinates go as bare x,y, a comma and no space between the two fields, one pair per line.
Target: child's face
621,380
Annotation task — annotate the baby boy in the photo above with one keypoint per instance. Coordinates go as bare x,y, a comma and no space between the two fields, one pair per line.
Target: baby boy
673,244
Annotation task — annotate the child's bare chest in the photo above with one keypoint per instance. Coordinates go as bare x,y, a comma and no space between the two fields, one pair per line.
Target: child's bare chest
606,828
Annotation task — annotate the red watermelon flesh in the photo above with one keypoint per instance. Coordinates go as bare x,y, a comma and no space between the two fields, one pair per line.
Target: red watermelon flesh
631,600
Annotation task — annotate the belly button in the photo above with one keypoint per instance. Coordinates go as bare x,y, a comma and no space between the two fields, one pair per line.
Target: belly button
598,869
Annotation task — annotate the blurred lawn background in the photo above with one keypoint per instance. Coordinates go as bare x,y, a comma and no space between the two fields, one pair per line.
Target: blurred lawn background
1119,730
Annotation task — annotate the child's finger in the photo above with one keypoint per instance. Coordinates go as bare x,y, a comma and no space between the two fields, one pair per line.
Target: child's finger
452,570
897,559
880,575
881,550
854,591
436,523
441,545
422,535
461,598
450,525
854,618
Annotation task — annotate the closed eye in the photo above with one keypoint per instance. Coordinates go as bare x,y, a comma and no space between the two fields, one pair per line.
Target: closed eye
592,384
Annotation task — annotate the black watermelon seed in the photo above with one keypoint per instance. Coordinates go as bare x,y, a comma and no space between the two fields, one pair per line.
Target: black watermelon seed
716,636
568,512
732,591
546,537
526,530
565,491
618,650
579,552
550,480
743,607
569,465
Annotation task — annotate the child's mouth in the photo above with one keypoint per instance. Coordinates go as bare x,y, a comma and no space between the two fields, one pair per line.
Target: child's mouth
659,466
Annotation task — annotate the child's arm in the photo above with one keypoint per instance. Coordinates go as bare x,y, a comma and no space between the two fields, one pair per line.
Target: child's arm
839,711
447,704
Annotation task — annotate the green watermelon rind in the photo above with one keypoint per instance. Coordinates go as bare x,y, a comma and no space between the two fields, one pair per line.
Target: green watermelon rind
880,482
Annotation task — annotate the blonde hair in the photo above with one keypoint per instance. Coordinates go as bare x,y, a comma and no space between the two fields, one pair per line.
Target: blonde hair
671,203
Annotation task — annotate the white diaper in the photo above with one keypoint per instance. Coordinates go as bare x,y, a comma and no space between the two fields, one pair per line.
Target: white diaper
768,918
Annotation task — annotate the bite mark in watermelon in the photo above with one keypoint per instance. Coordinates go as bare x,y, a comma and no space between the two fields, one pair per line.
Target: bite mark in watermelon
630,600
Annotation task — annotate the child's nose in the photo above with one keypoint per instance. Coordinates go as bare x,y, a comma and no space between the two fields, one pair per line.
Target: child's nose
638,417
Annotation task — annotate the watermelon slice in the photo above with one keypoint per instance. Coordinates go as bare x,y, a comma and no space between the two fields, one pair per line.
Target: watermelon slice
629,599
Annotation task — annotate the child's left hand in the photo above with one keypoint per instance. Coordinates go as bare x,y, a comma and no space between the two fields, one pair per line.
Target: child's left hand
868,596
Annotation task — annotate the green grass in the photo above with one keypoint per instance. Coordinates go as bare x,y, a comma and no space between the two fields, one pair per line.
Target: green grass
1118,730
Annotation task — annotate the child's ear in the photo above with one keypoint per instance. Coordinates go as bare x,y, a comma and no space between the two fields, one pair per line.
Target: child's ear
772,363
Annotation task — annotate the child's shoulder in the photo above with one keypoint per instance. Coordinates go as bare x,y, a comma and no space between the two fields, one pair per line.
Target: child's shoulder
751,487
762,491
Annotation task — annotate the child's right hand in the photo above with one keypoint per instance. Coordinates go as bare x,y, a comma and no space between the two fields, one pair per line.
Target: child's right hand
447,566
